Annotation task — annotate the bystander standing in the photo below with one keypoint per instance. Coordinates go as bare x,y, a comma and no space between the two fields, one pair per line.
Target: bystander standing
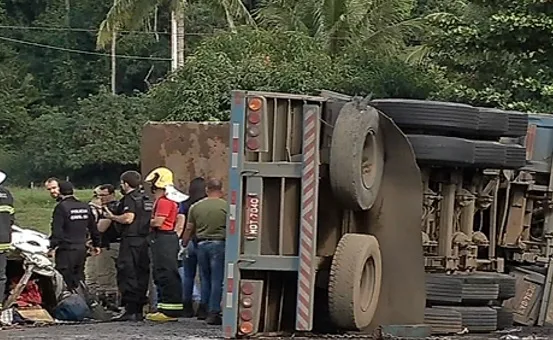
207,221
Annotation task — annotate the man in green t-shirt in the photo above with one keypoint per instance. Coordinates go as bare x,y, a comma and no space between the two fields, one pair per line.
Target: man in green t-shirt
207,220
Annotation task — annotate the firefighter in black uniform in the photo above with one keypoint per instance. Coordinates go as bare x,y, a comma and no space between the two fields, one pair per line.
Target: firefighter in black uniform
71,221
6,221
133,263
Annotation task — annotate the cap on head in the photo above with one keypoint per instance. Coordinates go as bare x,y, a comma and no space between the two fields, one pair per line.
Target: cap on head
160,177
2,177
66,188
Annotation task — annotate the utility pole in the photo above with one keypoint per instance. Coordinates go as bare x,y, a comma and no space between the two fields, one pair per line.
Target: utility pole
174,42
180,36
177,37
113,60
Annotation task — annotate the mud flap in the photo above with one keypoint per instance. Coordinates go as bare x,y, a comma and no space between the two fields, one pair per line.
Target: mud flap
402,302
529,292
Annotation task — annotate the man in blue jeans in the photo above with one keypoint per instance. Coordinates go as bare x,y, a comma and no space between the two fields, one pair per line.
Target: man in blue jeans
196,192
207,222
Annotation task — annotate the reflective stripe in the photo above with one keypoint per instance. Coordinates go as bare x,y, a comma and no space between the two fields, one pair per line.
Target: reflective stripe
6,209
5,246
170,306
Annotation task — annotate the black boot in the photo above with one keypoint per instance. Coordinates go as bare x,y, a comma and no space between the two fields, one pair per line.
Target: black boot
188,311
129,317
214,319
132,313
201,314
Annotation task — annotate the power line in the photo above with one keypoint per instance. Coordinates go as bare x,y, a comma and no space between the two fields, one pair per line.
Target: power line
121,56
76,29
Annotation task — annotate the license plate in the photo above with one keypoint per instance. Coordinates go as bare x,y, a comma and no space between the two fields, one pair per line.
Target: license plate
253,208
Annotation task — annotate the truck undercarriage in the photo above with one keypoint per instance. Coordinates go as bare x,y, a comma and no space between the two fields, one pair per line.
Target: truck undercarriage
329,202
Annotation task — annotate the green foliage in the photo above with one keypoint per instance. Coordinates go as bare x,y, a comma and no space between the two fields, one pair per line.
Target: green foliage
381,25
133,14
497,54
103,129
251,59
57,118
365,73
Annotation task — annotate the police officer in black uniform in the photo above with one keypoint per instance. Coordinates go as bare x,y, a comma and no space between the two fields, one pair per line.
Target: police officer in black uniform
6,222
71,221
133,264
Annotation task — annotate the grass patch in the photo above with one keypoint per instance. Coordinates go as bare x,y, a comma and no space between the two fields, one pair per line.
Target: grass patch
33,207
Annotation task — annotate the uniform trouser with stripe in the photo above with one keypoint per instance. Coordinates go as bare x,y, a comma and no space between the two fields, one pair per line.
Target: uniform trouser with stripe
3,263
133,273
165,250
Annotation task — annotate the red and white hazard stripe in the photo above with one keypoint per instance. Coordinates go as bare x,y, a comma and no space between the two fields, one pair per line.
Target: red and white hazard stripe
306,273
235,144
232,212
230,285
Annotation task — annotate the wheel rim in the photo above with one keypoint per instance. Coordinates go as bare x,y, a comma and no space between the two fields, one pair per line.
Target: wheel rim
368,161
367,284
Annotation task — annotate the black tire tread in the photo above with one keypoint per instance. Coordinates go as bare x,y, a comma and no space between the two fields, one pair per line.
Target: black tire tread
480,291
506,282
505,318
436,116
454,151
515,123
443,321
430,115
443,288
476,319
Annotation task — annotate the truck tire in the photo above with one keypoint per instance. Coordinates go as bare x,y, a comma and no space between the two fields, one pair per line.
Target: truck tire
476,319
442,288
443,321
430,116
448,289
494,123
480,293
507,283
355,281
515,123
504,317
356,156
460,152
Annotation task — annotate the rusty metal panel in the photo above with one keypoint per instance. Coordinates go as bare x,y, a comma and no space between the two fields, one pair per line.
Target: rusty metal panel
189,149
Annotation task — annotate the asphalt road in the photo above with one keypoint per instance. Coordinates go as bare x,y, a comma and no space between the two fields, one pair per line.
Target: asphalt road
197,330
183,329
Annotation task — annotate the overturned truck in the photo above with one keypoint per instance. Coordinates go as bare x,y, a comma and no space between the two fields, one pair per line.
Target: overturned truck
327,210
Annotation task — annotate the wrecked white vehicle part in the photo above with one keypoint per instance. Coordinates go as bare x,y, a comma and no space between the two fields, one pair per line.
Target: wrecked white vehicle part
30,248
30,241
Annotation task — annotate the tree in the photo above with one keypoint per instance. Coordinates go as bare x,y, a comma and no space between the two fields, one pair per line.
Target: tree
252,60
497,54
103,130
131,14
293,62
377,25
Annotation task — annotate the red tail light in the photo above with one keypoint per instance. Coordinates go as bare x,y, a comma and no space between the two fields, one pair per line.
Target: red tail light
249,309
256,118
